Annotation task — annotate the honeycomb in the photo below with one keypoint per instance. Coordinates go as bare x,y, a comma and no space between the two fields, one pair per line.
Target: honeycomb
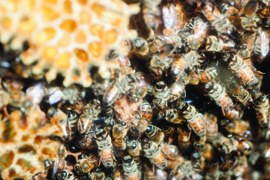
66,36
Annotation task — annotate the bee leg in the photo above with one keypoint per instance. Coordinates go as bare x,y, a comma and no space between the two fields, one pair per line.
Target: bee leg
6,114
223,112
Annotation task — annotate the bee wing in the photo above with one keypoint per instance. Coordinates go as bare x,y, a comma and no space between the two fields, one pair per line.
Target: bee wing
169,16
264,43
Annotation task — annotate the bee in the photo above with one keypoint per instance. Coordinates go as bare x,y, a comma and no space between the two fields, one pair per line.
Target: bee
266,133
71,126
144,81
215,44
158,65
240,93
219,95
249,23
200,29
245,146
173,116
154,133
161,95
208,75
66,174
130,168
237,127
176,91
171,154
127,111
178,67
210,11
225,145
104,144
243,70
146,117
211,126
118,174
153,152
97,174
119,133
134,147
86,163
194,119
208,152
183,170
184,134
261,107
89,114
86,141
140,46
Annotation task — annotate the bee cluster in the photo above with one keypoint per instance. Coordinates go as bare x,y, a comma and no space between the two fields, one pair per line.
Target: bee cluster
189,101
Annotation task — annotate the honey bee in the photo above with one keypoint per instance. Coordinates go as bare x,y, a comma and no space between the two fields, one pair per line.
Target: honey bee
89,114
219,95
184,134
215,44
171,154
66,174
127,111
86,141
178,67
158,65
176,91
146,117
245,146
161,94
266,133
134,147
243,70
237,127
140,46
261,107
200,29
86,164
218,20
119,133
173,116
71,126
182,170
97,174
118,174
208,75
266,153
104,144
211,126
194,119
249,23
130,168
154,133
225,145
240,93
153,152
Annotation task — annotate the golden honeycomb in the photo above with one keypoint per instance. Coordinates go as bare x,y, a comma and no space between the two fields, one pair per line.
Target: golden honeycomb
66,36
